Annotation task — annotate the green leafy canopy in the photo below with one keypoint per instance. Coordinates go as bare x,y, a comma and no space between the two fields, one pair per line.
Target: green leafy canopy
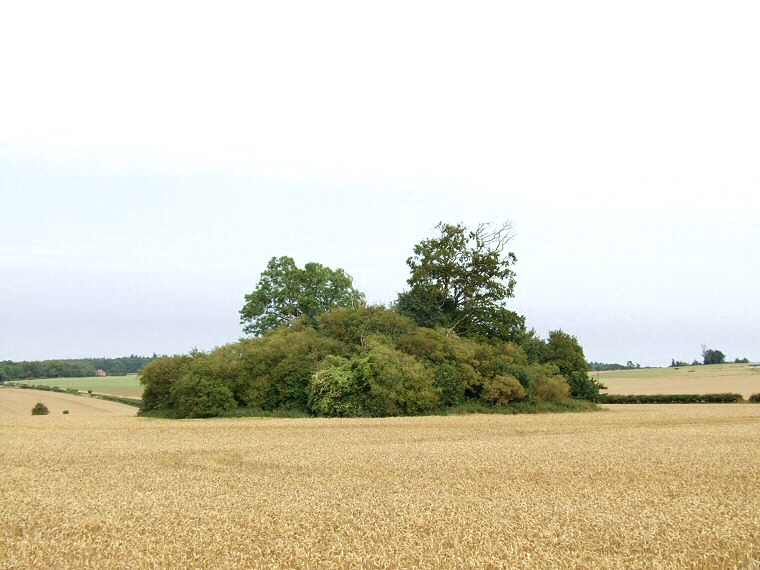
286,292
460,279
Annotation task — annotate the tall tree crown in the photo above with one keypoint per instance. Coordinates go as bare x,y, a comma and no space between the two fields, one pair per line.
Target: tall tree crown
461,278
286,292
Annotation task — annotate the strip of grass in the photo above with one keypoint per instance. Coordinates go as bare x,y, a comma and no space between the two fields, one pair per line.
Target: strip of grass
529,406
124,386
173,414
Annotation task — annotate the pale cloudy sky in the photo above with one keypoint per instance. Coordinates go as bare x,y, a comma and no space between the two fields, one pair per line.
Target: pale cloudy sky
154,156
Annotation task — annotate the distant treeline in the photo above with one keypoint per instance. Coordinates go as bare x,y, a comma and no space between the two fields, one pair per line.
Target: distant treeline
78,368
602,366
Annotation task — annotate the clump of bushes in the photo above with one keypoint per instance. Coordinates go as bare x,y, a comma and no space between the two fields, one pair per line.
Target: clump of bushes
502,389
40,409
754,398
365,361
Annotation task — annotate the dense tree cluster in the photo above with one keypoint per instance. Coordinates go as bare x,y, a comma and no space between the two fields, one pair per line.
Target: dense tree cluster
712,356
709,356
449,341
364,361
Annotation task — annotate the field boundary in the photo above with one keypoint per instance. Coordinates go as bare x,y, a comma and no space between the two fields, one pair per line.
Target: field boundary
109,397
724,398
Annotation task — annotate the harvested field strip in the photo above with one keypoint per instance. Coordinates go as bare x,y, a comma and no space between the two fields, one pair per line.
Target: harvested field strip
19,402
632,487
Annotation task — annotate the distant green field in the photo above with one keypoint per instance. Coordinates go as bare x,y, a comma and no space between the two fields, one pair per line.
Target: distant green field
116,385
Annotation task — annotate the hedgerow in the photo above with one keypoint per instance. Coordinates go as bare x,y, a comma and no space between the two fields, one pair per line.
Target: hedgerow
670,398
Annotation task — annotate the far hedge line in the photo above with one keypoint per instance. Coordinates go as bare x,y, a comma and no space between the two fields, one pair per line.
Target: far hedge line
725,398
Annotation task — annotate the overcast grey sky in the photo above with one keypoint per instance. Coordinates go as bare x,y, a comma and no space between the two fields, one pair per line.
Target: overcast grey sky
154,156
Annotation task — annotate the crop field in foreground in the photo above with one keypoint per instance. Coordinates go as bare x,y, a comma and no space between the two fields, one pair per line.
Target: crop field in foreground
128,386
651,486
715,378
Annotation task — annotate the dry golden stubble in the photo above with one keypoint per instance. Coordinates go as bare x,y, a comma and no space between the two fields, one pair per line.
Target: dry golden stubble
633,487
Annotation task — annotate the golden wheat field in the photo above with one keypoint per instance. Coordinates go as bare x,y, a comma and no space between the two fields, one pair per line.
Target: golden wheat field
738,378
18,402
632,487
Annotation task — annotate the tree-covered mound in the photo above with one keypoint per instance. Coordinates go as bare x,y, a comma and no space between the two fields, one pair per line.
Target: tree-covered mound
448,343
365,361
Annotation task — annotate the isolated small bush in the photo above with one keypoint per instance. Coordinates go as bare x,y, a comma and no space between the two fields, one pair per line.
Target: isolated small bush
65,411
40,409
754,398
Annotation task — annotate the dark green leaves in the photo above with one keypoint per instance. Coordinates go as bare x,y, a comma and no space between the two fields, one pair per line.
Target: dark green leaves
286,292
460,280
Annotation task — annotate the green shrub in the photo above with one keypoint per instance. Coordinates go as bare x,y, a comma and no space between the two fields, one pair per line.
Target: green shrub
584,387
502,389
381,381
453,380
65,412
754,398
40,409
564,351
201,397
396,384
336,391
275,369
159,377
544,380
454,359
553,388
353,326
